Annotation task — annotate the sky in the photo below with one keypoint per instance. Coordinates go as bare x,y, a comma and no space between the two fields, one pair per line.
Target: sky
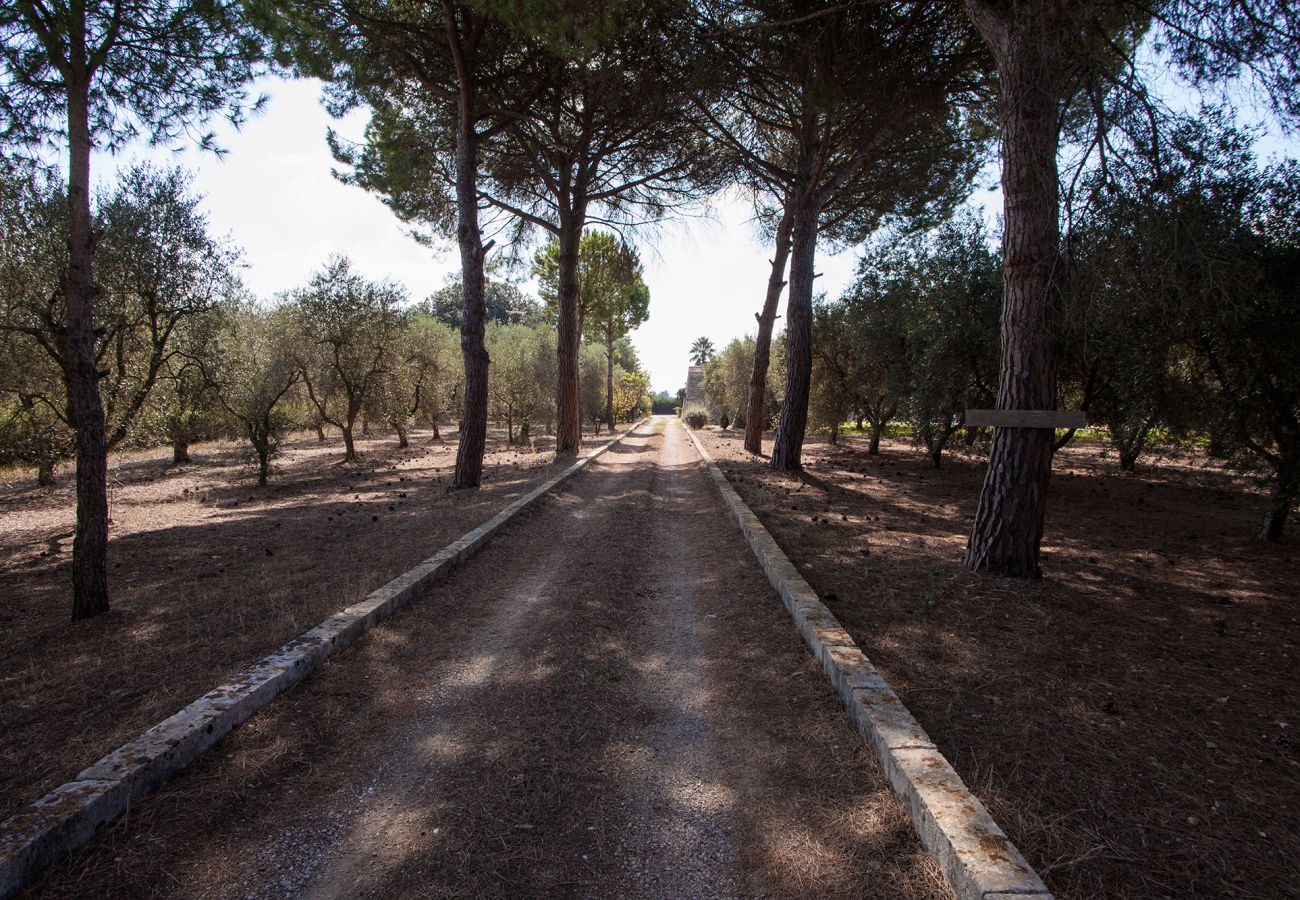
272,191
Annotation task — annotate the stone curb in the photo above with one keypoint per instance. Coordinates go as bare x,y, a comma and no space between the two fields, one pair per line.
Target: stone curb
977,858
68,816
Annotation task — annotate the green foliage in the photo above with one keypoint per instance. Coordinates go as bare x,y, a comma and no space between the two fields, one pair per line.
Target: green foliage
922,322
726,380
612,297
504,302
701,351
347,327
521,382
697,420
153,68
162,277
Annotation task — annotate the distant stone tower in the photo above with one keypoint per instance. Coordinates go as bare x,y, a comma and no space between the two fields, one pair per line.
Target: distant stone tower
694,399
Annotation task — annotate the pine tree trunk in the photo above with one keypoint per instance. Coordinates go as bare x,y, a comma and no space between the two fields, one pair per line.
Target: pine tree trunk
609,379
568,412
787,449
1008,528
90,546
755,412
473,423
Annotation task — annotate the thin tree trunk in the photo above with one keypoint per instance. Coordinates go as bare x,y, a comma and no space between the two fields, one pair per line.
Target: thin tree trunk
1008,527
90,546
320,432
349,448
609,379
787,449
403,438
473,423
568,412
45,472
755,412
180,449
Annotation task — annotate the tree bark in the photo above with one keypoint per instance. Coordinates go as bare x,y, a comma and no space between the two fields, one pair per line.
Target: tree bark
90,546
349,448
45,472
568,412
473,423
787,449
609,379
180,449
877,429
1008,527
1285,492
754,410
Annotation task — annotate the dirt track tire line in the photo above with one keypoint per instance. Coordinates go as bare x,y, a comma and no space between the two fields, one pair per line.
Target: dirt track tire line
976,857
49,830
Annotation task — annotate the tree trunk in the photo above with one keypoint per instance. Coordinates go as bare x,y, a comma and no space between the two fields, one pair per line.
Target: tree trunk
1008,528
45,472
834,437
90,546
180,449
263,449
609,379
1285,492
568,412
349,448
320,432
787,449
936,447
473,422
403,437
877,429
755,413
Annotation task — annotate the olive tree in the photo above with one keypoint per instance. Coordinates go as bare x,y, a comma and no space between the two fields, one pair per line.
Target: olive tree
348,326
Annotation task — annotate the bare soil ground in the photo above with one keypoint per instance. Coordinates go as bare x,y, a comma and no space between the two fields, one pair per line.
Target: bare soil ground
1133,719
607,700
208,573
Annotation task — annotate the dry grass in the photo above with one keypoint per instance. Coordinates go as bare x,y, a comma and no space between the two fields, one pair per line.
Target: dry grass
1131,719
208,572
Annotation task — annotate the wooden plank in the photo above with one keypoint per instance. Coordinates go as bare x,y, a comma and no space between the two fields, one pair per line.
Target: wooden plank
1026,418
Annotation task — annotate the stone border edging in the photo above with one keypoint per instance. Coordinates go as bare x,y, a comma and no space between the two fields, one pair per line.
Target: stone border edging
69,815
977,858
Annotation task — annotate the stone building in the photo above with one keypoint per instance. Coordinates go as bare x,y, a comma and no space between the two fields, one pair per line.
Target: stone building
694,400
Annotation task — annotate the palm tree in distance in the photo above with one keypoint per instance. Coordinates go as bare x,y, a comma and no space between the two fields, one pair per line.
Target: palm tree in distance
701,351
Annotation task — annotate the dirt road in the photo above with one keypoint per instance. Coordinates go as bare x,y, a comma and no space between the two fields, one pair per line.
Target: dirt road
608,700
